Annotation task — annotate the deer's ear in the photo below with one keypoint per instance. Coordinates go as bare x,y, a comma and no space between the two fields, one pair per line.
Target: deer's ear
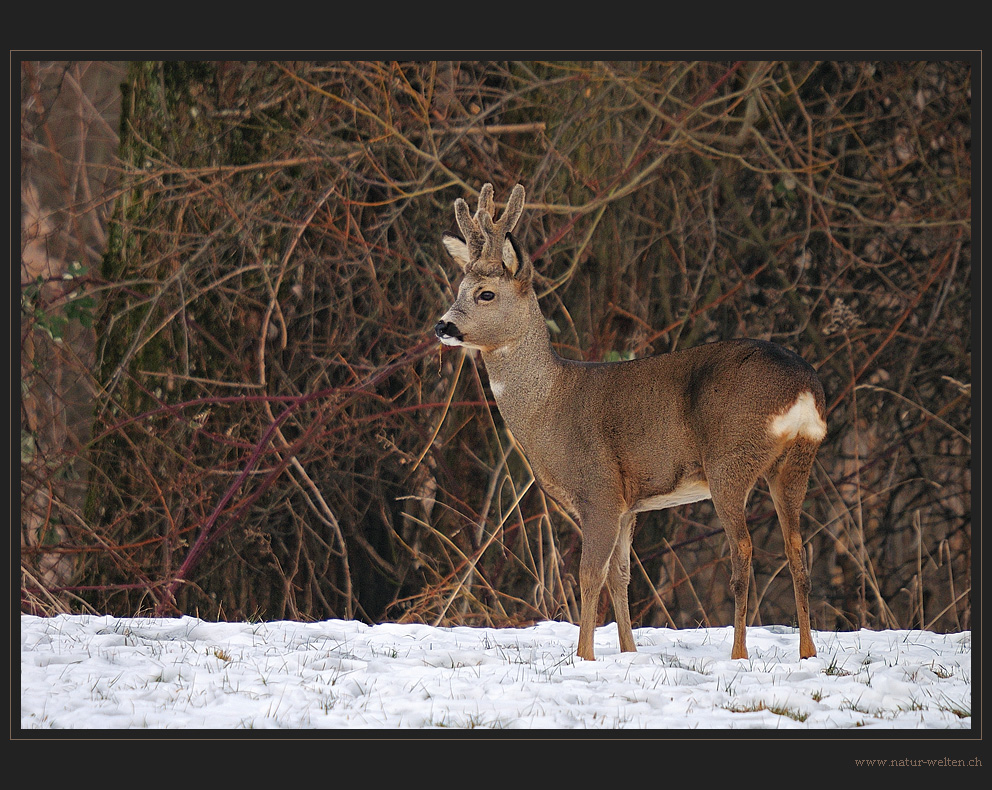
516,261
457,249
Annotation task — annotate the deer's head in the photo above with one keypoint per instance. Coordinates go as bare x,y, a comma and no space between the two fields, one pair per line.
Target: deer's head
495,299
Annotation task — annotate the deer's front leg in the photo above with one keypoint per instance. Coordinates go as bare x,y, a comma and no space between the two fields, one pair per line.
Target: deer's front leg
600,530
618,580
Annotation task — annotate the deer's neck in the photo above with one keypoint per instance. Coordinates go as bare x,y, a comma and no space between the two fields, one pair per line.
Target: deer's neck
525,373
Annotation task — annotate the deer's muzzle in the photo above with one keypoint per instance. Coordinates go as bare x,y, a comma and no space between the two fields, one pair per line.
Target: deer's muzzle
448,333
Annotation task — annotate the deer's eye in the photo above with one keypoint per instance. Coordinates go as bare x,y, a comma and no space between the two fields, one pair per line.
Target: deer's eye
486,296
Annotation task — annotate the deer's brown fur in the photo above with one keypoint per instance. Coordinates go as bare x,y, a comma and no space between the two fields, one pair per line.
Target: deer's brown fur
610,440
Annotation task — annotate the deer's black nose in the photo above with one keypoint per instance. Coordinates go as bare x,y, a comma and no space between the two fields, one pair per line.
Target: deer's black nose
445,329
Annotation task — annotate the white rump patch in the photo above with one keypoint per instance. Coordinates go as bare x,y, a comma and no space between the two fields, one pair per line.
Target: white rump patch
801,418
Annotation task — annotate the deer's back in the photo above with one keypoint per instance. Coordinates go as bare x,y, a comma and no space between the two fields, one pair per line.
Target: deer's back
716,380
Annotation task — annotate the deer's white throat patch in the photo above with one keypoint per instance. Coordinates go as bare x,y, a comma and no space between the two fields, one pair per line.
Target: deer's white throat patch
801,417
497,387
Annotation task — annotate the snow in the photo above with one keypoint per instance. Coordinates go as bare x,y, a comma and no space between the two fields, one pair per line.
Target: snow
94,672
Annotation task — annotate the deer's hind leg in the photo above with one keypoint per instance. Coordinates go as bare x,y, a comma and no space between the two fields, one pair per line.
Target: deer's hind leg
788,483
729,487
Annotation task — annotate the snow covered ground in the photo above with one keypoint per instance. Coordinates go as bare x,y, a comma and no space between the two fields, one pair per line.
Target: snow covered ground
88,672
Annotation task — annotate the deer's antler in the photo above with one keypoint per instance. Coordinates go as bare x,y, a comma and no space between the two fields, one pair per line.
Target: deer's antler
483,236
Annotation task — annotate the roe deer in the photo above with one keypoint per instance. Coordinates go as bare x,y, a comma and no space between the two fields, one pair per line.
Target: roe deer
610,440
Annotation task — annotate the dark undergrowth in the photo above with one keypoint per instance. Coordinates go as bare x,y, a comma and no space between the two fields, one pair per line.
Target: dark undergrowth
232,404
